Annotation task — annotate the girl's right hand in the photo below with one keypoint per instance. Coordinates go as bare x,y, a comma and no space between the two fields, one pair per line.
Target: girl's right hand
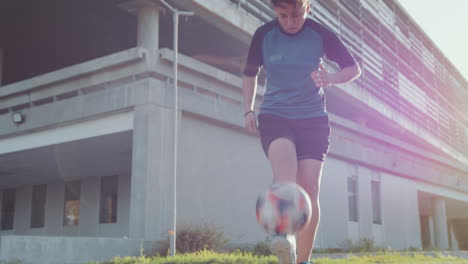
251,123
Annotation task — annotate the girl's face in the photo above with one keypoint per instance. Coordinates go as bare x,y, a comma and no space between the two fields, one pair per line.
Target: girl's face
290,17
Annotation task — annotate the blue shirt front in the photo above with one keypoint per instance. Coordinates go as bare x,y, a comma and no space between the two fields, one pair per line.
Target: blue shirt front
289,59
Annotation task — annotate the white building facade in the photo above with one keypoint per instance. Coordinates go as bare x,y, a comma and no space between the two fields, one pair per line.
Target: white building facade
87,130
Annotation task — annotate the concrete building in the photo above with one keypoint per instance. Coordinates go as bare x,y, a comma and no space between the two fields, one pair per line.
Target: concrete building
87,116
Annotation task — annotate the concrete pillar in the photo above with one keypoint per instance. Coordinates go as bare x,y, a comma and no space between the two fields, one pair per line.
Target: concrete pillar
1,65
440,224
123,204
151,195
431,231
54,208
22,218
1,207
453,240
89,206
364,203
148,22
148,27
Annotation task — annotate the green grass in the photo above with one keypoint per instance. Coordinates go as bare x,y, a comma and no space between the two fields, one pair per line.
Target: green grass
201,257
209,257
393,258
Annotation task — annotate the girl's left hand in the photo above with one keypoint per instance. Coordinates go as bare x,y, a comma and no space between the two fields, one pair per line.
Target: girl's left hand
322,77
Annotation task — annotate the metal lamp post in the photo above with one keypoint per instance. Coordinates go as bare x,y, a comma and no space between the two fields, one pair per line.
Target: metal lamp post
176,13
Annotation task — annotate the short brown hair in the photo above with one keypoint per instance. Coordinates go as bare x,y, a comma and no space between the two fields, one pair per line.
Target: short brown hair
295,3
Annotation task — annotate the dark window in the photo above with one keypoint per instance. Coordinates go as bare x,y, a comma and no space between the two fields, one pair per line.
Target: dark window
72,204
353,199
8,208
38,202
376,205
108,200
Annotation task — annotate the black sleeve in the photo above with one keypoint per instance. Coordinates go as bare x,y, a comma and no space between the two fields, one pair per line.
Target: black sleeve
255,56
335,49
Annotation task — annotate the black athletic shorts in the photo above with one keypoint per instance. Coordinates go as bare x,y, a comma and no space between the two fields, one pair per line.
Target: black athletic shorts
310,136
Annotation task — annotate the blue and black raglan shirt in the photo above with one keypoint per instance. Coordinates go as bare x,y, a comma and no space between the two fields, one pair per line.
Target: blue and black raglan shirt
289,59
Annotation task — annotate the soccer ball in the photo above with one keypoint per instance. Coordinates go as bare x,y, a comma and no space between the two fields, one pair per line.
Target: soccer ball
283,209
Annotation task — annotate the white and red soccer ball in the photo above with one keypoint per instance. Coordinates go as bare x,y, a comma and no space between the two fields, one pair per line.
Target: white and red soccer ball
283,209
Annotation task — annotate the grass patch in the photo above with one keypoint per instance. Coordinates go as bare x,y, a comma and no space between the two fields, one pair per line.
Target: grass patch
210,257
200,257
393,258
